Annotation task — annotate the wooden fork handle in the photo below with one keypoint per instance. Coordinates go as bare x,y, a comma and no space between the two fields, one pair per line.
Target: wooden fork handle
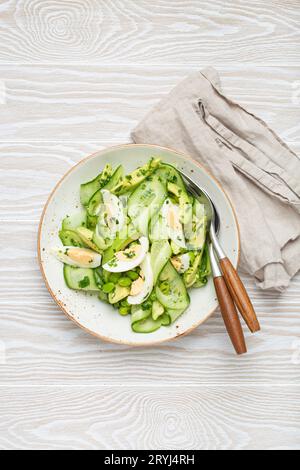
230,316
239,294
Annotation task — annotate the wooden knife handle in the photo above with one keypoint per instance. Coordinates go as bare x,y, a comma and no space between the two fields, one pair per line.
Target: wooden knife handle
239,294
230,316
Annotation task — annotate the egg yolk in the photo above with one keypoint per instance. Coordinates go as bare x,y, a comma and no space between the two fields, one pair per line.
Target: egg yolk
129,254
80,256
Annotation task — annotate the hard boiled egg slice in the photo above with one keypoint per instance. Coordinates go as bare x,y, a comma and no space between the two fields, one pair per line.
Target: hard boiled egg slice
129,258
79,257
142,287
112,213
181,263
171,214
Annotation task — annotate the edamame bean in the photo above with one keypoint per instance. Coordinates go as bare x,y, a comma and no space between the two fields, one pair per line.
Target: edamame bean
114,277
108,287
133,275
125,282
124,311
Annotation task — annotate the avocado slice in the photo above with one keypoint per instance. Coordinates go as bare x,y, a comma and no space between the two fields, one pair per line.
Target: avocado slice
71,238
131,181
87,237
157,309
190,276
174,189
196,235
118,294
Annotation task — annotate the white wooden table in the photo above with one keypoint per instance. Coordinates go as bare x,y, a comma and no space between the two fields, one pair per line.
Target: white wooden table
75,77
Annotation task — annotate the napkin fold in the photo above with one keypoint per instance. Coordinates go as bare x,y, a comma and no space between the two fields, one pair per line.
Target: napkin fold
258,171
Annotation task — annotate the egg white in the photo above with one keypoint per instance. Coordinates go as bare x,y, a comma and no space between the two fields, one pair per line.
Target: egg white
147,275
111,217
182,264
62,255
171,216
122,265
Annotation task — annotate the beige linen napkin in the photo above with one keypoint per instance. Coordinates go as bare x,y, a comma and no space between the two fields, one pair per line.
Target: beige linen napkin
258,171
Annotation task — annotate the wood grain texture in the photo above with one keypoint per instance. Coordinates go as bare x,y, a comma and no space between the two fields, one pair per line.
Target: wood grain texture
76,77
147,418
87,103
172,31
30,170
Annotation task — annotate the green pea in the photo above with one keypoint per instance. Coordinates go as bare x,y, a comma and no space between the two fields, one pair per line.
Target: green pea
124,310
133,275
108,287
114,277
125,282
124,303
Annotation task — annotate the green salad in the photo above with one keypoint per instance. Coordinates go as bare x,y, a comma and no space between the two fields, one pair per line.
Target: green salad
139,242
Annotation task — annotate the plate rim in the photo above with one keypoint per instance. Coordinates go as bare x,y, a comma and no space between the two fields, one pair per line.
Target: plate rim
62,306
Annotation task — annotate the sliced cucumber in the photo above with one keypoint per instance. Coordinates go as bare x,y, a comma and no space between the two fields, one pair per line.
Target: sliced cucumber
115,179
96,199
173,314
141,320
70,238
139,313
160,254
165,320
102,243
158,228
147,326
71,222
144,202
88,189
80,278
170,289
94,204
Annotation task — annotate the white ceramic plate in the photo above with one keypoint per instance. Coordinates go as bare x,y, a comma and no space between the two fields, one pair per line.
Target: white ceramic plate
86,310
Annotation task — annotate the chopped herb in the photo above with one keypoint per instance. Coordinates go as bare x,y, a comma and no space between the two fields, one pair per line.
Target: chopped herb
85,282
129,254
